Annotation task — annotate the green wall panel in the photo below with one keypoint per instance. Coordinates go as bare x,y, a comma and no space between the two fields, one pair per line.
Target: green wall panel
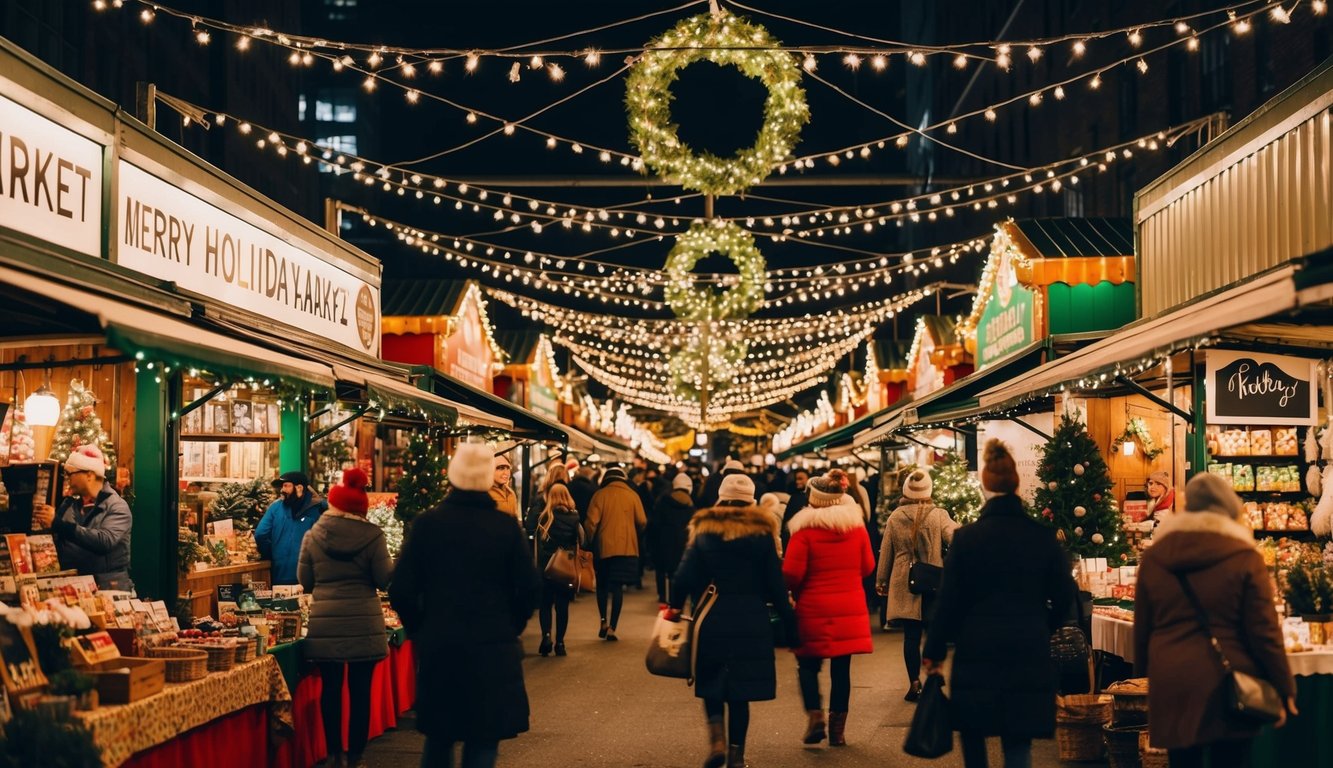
1081,308
153,542
293,449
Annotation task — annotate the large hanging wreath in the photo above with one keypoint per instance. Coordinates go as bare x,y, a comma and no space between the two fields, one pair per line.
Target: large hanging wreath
1136,429
723,39
724,361
737,298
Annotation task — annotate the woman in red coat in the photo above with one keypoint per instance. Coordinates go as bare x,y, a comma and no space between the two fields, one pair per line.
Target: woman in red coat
827,558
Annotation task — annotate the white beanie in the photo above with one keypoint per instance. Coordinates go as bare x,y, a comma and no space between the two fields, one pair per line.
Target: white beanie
918,486
733,465
86,458
736,488
682,482
472,467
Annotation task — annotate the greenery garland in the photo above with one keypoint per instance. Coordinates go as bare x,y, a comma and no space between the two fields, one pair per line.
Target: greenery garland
1137,429
695,303
723,39
724,361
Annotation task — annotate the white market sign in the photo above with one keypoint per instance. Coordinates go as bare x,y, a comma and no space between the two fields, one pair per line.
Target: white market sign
1253,388
50,180
172,235
1025,445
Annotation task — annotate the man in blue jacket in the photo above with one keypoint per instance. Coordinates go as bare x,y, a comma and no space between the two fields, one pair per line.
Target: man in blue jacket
285,523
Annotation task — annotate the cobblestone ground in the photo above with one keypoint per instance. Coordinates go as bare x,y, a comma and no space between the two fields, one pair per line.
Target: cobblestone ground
599,707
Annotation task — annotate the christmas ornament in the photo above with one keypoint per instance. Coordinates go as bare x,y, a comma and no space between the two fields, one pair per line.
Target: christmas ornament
1080,511
1097,538
1096,497
725,40
1079,530
1052,485
1079,469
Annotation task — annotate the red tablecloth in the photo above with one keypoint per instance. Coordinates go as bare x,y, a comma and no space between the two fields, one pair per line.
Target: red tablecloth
242,738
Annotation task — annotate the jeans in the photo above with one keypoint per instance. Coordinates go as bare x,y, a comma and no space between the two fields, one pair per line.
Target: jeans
358,675
555,598
840,682
440,754
1234,753
1017,751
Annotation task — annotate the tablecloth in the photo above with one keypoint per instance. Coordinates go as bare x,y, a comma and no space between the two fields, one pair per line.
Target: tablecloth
123,730
1114,636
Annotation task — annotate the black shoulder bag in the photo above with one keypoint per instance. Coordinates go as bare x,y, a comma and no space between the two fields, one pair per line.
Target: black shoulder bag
1247,697
922,578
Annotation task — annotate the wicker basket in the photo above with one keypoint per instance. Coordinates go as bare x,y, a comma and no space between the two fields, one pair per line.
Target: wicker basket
1078,726
183,664
1129,708
1122,745
221,657
246,649
1149,756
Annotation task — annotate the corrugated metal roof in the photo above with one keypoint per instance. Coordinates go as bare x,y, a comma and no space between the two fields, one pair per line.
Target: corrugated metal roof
891,353
941,329
1067,238
518,345
417,298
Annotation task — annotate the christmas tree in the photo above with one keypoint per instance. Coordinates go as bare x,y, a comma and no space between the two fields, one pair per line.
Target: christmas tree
956,492
1074,494
18,444
242,503
80,425
423,485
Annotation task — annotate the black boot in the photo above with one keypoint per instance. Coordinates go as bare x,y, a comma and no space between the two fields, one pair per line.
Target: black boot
545,648
717,746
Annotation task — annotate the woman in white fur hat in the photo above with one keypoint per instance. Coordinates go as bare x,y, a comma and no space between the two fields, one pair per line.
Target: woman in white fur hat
916,532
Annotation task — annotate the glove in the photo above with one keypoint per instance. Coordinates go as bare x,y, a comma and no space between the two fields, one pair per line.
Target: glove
671,614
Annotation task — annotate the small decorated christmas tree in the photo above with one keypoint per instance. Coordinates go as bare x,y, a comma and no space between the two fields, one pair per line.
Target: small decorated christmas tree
956,492
80,425
1074,494
423,484
18,444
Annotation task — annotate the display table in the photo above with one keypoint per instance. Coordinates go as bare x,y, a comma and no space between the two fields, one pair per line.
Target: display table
201,587
226,718
1303,741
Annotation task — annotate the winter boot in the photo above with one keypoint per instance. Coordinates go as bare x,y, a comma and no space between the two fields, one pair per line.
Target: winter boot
814,730
736,756
837,727
717,746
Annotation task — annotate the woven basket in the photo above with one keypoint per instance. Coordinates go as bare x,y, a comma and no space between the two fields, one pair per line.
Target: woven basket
1079,741
1122,745
1083,708
221,658
1149,756
183,664
245,650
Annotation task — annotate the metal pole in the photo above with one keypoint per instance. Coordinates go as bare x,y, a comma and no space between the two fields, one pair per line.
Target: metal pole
145,103
332,216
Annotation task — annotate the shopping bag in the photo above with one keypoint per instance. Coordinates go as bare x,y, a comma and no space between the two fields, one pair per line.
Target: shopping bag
587,574
931,733
669,648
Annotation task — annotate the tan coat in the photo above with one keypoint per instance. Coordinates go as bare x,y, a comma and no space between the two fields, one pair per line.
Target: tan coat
615,518
505,500
896,553
1228,575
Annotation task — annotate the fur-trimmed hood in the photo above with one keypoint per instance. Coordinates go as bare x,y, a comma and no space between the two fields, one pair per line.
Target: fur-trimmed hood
1187,541
732,522
842,517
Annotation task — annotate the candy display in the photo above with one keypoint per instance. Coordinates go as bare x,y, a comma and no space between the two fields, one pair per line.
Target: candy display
1242,477
1261,442
1285,442
1277,479
1233,442
1277,516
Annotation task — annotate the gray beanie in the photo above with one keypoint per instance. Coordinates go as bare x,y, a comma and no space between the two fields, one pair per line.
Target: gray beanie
1207,492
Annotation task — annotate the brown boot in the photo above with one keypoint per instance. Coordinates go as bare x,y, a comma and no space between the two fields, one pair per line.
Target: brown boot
717,746
814,730
837,727
736,756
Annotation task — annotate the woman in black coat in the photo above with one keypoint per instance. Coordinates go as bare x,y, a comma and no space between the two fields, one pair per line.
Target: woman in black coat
554,527
731,547
667,531
465,589
1002,574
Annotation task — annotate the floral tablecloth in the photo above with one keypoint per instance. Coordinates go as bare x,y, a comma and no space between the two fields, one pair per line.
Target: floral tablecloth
122,730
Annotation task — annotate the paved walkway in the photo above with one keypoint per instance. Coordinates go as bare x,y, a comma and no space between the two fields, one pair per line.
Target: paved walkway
599,707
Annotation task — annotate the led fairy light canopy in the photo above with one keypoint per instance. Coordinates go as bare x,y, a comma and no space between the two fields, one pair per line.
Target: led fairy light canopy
725,40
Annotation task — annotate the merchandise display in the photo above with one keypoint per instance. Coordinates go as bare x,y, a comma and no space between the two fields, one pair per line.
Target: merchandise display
1265,466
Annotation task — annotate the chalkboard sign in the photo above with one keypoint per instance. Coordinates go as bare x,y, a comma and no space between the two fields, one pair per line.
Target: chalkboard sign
1253,388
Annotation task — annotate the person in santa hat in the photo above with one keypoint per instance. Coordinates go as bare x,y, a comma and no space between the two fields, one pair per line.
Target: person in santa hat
92,525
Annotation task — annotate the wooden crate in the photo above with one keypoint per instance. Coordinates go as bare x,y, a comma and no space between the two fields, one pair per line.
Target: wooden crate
145,678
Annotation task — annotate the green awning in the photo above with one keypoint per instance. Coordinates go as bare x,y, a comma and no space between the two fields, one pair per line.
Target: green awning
943,406
523,423
831,439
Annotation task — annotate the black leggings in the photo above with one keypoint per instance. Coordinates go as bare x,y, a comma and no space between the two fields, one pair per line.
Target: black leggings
1234,753
615,591
554,597
914,631
359,674
840,685
737,724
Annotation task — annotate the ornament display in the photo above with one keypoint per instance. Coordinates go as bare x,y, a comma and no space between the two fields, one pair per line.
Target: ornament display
1080,511
695,303
21,447
725,40
1069,450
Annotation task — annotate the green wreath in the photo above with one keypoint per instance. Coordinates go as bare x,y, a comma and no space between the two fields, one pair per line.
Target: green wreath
723,39
694,303
724,364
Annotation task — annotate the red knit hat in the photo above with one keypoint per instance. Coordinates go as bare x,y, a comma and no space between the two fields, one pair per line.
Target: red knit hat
350,494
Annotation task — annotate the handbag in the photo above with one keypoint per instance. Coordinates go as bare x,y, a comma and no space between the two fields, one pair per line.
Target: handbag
1249,698
922,578
563,568
782,620
587,573
931,733
673,649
